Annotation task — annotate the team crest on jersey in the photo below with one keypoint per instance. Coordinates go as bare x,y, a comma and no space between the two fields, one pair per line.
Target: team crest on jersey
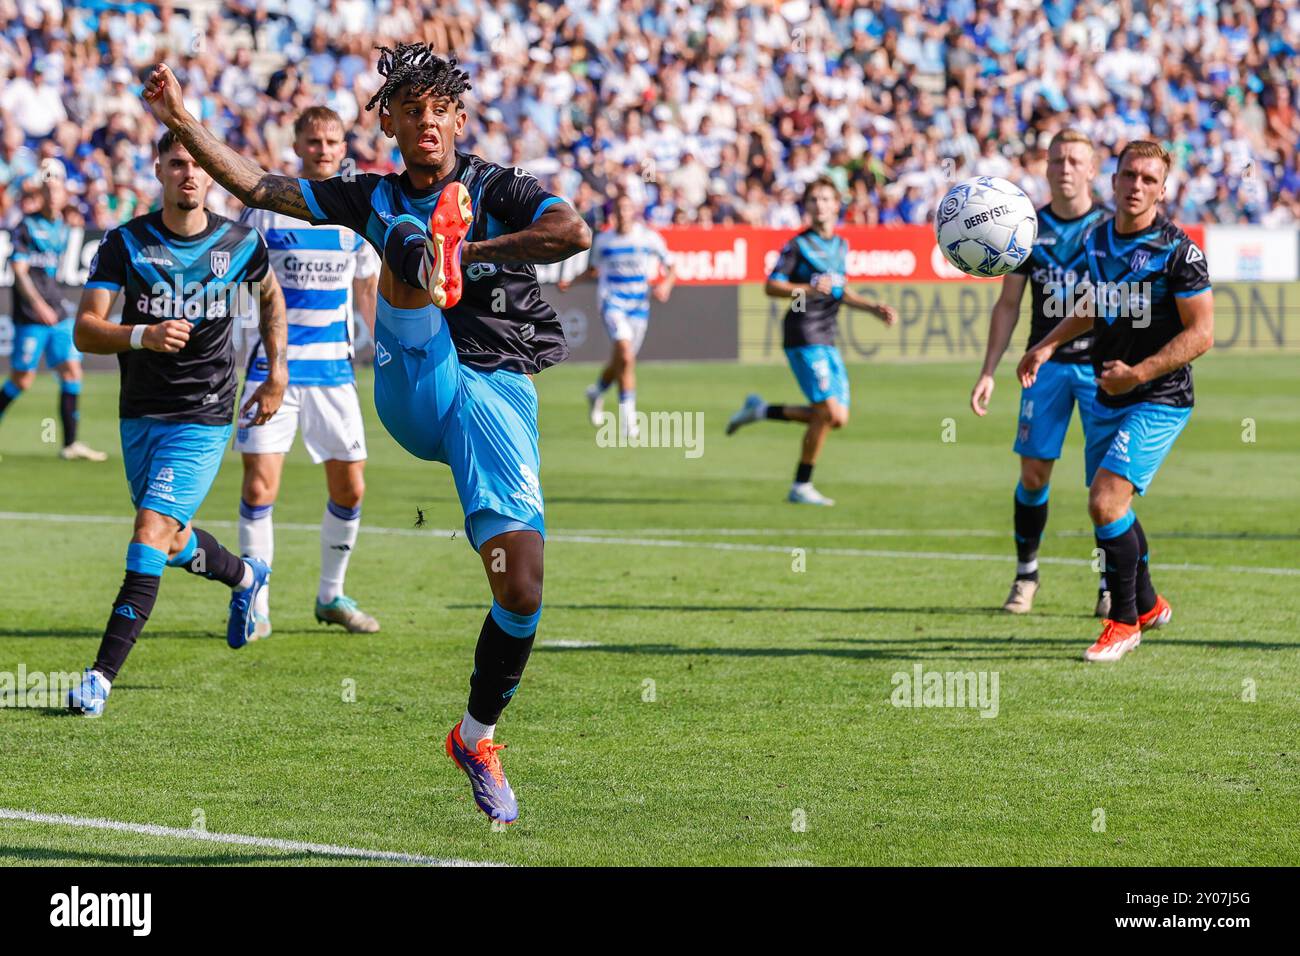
1194,254
220,262
1139,260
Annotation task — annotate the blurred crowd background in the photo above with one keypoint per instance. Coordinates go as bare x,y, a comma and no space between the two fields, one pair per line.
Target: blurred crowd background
710,112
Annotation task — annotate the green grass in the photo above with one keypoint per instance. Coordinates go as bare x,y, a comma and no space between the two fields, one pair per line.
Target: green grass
771,687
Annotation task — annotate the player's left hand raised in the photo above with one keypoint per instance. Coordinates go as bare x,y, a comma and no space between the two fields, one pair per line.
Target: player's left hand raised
887,314
1117,378
266,399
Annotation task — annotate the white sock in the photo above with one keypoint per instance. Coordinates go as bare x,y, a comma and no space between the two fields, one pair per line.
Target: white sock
108,684
471,731
800,485
257,540
1027,567
246,581
760,410
627,411
338,536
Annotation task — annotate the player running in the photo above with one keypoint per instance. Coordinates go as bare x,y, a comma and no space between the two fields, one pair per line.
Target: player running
624,259
1152,312
452,377
42,317
321,269
1057,274
810,272
183,271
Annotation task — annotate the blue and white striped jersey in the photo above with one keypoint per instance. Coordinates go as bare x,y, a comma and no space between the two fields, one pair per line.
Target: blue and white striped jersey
316,266
624,264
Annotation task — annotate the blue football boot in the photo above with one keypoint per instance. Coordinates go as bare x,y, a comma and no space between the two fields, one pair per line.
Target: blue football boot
89,697
243,622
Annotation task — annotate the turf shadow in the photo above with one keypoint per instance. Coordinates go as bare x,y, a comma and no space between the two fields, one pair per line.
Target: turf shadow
147,859
98,632
786,609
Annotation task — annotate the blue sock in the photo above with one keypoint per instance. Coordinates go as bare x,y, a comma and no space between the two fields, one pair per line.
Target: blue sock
8,393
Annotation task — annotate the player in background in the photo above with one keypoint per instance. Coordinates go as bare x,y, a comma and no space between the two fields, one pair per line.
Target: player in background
624,258
42,318
810,272
323,270
186,274
453,351
1152,312
1056,273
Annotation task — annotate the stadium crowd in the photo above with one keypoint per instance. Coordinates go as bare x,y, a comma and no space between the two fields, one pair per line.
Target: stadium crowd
713,113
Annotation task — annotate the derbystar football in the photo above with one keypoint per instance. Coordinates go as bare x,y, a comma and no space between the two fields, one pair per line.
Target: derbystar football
986,226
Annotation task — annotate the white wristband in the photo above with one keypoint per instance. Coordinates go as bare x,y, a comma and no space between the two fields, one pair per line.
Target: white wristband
137,336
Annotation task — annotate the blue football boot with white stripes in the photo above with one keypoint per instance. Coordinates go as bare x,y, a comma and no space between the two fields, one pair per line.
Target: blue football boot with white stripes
89,697
243,622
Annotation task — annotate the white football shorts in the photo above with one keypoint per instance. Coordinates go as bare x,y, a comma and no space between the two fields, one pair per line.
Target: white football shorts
621,328
328,415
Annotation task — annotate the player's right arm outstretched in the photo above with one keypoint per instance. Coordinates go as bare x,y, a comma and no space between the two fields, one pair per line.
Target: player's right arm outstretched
246,180
1006,312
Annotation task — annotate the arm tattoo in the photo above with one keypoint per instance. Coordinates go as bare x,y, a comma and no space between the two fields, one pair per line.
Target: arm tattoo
273,323
557,235
246,180
279,194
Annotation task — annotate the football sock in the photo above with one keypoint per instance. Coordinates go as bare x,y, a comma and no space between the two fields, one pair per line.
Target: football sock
338,536
774,413
1030,520
1119,543
205,556
8,392
1146,593
405,252
131,609
504,644
603,383
471,731
803,474
627,410
69,395
257,540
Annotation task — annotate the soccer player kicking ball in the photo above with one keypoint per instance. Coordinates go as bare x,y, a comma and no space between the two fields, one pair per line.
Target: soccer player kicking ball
1053,270
453,352
810,272
184,273
1152,313
623,259
42,325
321,269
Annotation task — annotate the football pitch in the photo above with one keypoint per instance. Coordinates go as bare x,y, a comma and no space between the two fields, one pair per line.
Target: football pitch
716,673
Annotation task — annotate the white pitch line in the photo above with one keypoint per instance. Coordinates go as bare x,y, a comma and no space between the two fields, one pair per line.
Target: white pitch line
233,839
616,538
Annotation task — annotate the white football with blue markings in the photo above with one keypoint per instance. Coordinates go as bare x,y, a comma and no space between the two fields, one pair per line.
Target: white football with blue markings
986,226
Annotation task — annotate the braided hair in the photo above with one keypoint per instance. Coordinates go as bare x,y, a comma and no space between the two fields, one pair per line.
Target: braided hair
417,66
